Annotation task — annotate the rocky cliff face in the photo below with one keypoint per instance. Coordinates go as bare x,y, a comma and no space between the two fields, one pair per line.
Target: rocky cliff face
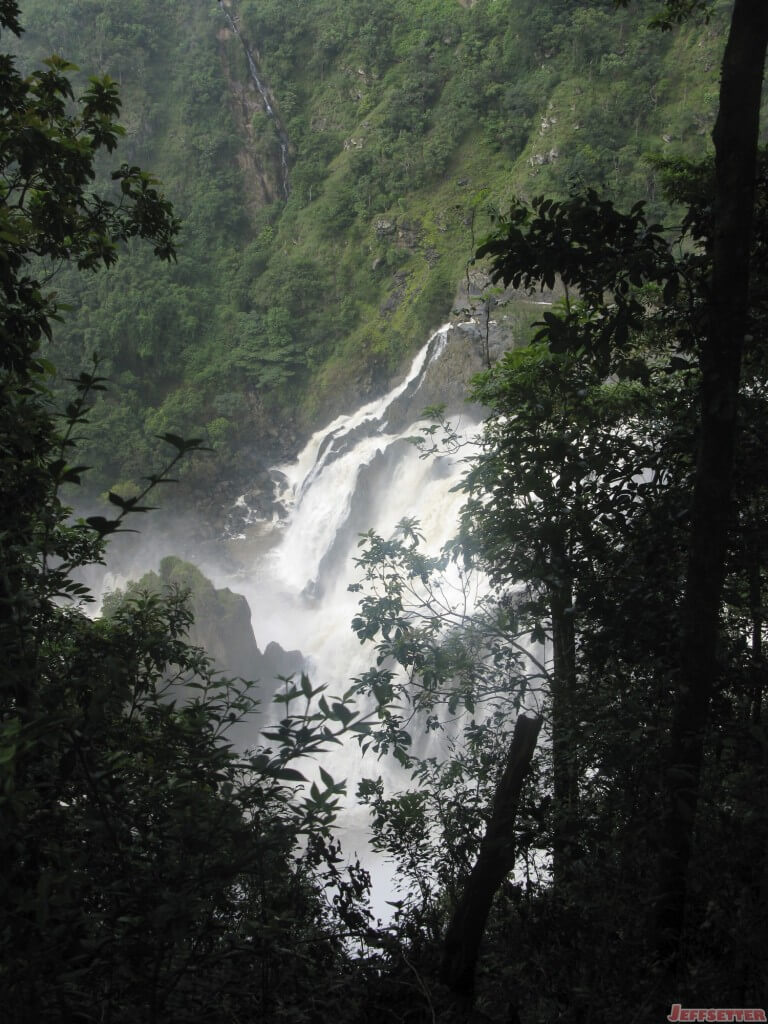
221,626
471,345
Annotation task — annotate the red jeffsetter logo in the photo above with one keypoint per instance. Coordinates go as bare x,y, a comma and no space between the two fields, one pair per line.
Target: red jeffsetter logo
681,1013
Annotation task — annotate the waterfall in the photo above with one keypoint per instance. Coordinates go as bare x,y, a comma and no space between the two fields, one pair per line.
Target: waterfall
292,556
360,472
263,91
357,473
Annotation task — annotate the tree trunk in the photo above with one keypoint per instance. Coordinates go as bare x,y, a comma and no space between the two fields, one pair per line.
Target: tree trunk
565,787
735,137
755,570
495,861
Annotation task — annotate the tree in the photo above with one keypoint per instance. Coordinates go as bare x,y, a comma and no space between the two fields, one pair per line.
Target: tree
609,268
565,459
494,862
149,869
49,215
720,359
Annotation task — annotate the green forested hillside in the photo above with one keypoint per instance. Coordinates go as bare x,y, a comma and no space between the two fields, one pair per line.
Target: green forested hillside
593,841
407,123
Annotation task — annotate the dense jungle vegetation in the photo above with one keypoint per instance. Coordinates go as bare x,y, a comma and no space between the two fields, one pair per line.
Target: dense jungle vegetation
595,843
406,124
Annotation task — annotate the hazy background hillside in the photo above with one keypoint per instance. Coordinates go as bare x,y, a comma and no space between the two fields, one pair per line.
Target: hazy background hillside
407,124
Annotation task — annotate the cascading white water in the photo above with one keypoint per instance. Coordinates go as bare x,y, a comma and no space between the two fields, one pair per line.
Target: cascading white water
358,473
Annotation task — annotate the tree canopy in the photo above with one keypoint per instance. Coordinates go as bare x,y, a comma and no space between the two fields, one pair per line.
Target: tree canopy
613,504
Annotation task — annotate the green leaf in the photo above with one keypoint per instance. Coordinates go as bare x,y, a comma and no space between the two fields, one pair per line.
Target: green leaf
342,713
288,775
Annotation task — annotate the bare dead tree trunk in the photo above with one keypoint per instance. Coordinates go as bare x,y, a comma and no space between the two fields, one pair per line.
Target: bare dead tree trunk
495,861
735,137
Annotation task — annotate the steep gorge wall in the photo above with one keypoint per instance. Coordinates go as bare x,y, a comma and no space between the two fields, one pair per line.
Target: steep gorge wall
264,157
404,126
222,625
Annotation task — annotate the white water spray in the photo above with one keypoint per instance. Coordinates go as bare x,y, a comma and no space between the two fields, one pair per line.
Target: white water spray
356,474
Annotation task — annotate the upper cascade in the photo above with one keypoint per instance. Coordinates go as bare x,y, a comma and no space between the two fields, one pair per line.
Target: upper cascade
438,374
361,471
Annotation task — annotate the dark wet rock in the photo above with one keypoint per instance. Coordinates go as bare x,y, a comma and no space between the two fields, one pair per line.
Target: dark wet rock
446,379
275,662
471,331
362,511
396,294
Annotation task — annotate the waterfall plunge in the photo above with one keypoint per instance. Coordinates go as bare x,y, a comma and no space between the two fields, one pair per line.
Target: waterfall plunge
358,473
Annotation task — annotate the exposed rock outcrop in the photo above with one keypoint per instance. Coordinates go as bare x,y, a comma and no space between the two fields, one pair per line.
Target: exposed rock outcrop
221,626
464,354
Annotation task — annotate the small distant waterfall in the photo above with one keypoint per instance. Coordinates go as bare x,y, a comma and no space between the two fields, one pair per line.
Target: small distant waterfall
264,93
